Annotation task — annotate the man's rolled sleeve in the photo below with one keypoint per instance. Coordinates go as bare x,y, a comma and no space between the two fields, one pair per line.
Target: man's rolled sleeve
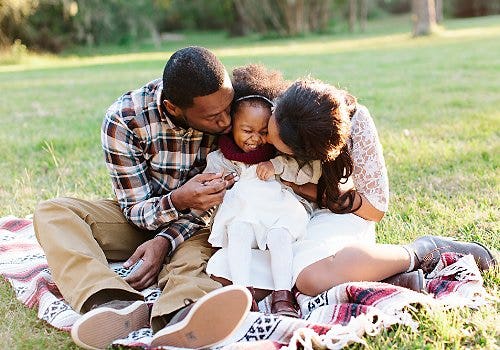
179,231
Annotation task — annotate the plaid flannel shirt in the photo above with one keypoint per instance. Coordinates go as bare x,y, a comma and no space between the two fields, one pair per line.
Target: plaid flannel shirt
148,157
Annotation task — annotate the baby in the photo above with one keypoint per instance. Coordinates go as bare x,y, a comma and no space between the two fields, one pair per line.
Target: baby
258,211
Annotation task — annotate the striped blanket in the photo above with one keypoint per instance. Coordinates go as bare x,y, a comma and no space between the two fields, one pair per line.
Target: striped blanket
333,319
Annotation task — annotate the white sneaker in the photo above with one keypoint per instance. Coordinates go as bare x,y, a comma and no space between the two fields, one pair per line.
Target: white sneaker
98,328
208,321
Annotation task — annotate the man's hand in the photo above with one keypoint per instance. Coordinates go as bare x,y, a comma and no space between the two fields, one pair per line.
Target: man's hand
153,254
265,170
201,192
230,179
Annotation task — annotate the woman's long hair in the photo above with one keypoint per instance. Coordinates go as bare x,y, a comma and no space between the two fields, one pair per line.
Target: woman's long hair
314,120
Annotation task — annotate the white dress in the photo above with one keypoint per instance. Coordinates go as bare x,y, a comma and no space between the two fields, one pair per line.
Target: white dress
328,232
264,205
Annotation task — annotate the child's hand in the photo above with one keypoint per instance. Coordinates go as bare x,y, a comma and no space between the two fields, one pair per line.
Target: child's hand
265,170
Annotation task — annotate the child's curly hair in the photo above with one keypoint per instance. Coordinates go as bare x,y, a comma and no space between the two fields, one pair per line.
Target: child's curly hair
256,79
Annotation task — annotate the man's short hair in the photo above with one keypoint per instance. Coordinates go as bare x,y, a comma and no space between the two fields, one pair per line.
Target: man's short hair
191,72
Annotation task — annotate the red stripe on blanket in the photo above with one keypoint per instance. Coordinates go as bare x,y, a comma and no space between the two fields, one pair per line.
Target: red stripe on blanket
12,247
343,313
15,225
28,275
450,258
442,287
370,296
319,329
43,286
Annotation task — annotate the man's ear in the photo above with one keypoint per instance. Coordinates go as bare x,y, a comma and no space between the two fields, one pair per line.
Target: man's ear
171,108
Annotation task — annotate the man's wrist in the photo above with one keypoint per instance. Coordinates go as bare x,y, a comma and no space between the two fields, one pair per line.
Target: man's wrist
175,202
164,242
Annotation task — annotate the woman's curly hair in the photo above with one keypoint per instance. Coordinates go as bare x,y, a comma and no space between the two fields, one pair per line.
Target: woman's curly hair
314,120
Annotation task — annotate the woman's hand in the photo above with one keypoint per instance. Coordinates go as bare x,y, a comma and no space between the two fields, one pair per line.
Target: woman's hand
308,191
367,211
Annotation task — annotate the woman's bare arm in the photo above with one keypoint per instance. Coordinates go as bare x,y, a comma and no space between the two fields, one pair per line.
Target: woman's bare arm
366,210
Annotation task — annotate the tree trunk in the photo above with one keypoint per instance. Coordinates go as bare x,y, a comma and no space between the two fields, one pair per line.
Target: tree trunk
284,17
439,11
352,14
424,17
363,14
238,26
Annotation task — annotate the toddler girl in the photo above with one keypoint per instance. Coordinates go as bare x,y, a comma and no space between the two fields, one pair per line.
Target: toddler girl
258,211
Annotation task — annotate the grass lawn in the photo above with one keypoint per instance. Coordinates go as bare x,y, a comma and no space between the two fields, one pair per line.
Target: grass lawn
435,100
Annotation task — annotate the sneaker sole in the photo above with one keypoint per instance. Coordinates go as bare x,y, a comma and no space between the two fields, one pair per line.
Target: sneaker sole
98,328
212,319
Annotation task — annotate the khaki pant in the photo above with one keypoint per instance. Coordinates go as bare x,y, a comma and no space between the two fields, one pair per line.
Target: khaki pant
79,237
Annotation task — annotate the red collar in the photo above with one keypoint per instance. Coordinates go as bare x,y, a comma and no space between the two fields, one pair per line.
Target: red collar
232,152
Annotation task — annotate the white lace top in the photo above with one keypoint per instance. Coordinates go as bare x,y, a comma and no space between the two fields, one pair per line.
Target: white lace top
369,174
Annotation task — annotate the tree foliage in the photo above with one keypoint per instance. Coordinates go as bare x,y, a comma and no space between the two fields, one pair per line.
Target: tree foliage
284,17
12,14
195,14
54,24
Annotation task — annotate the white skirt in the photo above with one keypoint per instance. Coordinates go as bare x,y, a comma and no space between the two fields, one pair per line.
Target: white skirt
326,234
264,205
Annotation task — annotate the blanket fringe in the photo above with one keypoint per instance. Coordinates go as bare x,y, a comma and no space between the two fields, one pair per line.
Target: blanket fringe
339,336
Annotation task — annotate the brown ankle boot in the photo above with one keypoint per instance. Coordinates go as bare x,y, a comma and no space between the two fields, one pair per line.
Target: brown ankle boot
283,303
428,250
412,280
255,306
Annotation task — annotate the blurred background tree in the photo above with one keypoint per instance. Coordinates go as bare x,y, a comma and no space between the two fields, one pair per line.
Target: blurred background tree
423,16
52,25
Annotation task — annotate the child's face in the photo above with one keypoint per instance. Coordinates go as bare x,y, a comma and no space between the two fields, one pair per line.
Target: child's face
250,126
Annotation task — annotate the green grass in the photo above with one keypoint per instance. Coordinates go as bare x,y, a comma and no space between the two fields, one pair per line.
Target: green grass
435,101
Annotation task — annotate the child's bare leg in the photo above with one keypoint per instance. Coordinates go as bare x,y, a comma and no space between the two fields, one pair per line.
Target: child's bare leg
239,252
360,262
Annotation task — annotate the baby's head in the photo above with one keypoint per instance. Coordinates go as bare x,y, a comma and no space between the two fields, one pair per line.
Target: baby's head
250,117
254,89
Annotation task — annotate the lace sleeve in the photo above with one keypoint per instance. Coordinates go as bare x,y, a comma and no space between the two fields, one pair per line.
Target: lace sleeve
369,173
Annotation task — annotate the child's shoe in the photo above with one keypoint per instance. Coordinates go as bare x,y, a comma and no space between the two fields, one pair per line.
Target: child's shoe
255,306
283,303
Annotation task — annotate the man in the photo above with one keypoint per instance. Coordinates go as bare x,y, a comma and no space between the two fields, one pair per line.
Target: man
155,141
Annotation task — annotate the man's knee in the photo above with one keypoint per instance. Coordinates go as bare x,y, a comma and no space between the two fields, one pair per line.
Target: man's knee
44,209
51,205
47,211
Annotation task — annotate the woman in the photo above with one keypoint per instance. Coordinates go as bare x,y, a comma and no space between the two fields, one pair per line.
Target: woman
315,121
309,123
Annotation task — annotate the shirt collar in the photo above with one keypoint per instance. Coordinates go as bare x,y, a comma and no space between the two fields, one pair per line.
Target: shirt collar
164,116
